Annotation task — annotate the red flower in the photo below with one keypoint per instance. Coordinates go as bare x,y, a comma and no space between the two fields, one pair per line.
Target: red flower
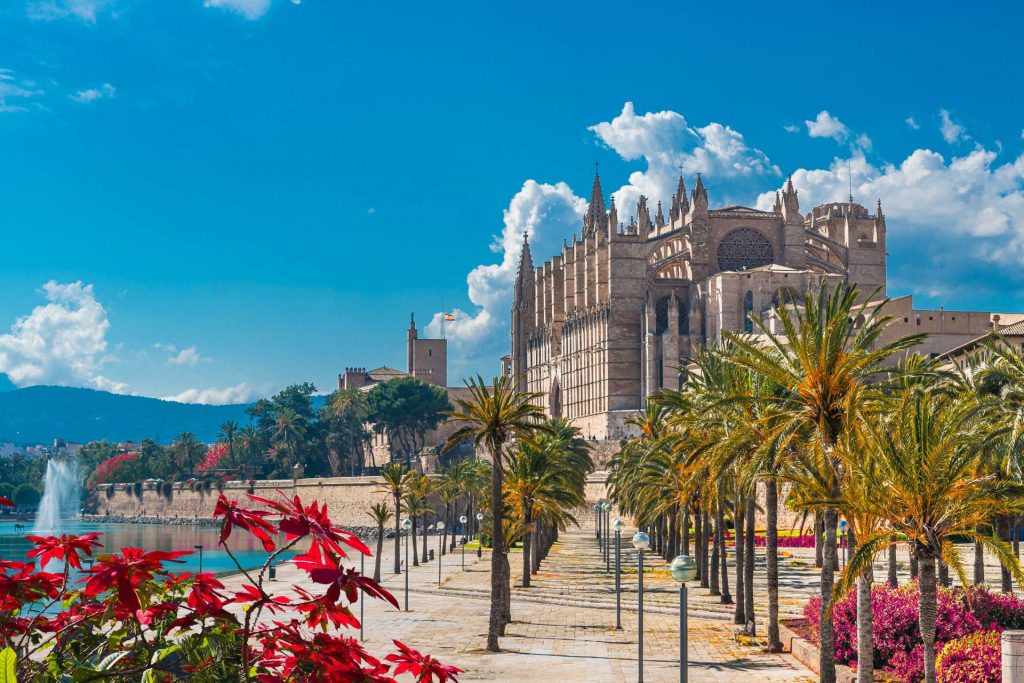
126,572
66,547
323,568
244,518
299,522
8,502
423,667
26,585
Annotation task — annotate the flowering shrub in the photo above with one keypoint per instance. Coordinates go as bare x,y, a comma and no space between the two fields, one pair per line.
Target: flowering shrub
996,611
214,455
976,658
106,469
784,541
129,618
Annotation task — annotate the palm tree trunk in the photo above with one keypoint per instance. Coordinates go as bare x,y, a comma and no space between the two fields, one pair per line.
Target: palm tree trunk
398,534
943,574
527,542
826,639
496,624
686,531
893,578
979,560
748,568
929,611
819,531
771,561
739,614
914,574
415,554
716,548
380,549
1016,536
673,532
1003,532
720,535
447,528
702,565
865,619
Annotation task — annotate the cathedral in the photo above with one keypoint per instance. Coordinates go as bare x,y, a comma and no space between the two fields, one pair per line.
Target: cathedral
608,320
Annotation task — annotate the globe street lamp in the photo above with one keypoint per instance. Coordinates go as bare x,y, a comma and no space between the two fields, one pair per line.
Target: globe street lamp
479,541
641,542
597,522
440,543
462,524
430,530
607,507
683,569
617,525
200,549
406,525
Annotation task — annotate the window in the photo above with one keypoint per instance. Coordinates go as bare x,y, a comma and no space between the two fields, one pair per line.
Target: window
430,352
748,308
661,316
744,248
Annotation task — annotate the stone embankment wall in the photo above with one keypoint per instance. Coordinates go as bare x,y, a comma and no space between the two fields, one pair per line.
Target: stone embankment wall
348,498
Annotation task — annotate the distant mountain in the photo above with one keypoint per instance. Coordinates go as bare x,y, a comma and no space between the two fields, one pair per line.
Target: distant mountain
5,383
40,414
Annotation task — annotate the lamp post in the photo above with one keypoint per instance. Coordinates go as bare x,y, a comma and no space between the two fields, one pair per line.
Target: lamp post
844,531
430,530
479,541
641,542
462,523
683,569
440,542
200,549
618,525
607,507
406,525
362,572
597,522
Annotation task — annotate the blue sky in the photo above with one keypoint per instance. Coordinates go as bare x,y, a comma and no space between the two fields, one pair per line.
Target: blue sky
213,200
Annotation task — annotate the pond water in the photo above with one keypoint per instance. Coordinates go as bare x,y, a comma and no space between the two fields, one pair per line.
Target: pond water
247,549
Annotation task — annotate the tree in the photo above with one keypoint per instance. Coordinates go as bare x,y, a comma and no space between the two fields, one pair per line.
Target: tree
228,433
251,446
381,513
396,480
346,412
288,432
188,452
829,348
405,409
920,468
491,417
26,496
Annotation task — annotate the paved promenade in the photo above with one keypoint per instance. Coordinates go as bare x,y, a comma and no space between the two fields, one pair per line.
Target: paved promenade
563,626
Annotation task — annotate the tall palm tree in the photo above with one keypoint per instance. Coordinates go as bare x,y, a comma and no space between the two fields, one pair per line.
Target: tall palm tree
922,474
381,513
491,417
829,347
395,482
289,431
228,435
421,487
188,450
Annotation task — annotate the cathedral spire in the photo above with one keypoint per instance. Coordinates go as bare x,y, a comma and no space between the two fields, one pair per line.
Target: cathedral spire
659,217
790,205
613,218
778,203
681,194
699,197
596,218
525,258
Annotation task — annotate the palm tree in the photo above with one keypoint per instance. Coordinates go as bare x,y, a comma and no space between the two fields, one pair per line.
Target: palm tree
421,487
188,451
228,434
288,433
415,507
491,417
829,348
396,480
921,468
351,409
249,440
381,513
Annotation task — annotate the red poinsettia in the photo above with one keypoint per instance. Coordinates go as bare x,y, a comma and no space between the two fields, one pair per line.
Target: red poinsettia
298,522
65,547
125,572
424,667
325,568
21,584
7,501
244,518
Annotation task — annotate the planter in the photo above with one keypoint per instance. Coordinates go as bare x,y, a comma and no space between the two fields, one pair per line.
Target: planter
807,654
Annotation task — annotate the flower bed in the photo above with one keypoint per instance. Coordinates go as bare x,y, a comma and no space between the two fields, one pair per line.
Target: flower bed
963,617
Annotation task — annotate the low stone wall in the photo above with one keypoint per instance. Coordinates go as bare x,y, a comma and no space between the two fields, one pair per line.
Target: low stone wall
348,499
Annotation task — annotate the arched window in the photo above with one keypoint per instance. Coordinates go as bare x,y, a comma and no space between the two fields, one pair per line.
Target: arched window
743,249
748,308
661,316
684,319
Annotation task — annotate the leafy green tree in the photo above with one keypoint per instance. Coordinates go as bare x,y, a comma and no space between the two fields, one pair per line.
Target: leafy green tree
345,414
405,409
381,514
188,451
395,482
26,495
288,434
228,435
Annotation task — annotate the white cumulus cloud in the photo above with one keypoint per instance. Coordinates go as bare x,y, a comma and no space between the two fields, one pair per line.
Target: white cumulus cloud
62,342
84,10
239,393
827,126
92,94
186,356
250,9
951,131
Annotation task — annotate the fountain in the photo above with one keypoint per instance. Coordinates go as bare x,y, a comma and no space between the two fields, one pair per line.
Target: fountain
62,494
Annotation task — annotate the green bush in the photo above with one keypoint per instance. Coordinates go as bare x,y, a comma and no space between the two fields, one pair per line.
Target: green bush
6,489
26,495
167,490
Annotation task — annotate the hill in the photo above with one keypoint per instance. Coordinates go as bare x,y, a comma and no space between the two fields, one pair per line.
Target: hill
39,414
